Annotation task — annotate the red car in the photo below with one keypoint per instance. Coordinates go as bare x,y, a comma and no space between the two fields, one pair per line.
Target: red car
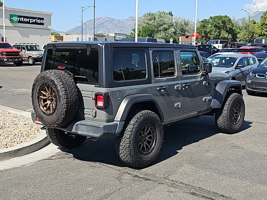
9,54
250,49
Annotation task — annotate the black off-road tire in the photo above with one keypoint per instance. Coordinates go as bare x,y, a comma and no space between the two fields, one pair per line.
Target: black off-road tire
230,117
55,98
64,140
141,142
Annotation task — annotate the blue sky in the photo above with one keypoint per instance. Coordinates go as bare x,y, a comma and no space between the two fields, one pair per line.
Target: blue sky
67,13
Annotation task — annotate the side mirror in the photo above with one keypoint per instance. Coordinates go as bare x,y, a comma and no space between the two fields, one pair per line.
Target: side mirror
207,68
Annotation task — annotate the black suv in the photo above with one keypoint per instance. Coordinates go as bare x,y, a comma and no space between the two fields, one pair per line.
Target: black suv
128,90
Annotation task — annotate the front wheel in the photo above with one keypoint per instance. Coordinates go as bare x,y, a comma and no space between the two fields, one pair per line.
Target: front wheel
230,117
31,60
64,139
141,142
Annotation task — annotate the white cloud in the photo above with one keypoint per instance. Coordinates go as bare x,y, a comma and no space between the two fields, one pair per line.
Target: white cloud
257,5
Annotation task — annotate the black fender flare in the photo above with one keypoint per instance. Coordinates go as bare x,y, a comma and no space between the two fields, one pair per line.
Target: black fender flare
129,101
222,89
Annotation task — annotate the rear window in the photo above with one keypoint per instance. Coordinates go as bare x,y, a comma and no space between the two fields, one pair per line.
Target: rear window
83,66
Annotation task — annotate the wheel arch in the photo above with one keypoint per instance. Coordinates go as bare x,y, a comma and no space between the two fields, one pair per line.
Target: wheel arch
223,90
140,101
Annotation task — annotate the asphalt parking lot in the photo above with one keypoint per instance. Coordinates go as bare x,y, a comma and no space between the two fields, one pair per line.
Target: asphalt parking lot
197,161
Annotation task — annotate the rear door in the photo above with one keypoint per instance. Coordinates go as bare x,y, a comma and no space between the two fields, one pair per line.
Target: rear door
194,87
164,82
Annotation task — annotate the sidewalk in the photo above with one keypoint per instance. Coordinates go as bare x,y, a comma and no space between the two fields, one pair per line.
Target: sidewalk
25,138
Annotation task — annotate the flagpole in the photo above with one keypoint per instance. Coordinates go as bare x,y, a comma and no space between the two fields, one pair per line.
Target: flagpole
136,22
195,31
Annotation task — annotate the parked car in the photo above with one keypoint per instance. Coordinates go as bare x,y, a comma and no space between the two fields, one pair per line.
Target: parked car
250,49
228,50
260,56
257,79
30,52
9,54
204,54
233,66
207,48
129,91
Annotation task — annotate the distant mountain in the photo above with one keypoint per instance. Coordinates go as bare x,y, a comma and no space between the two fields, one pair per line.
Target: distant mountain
106,25
254,16
257,16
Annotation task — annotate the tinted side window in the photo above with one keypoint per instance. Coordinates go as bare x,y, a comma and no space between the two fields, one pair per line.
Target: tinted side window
129,65
252,60
190,63
163,64
243,61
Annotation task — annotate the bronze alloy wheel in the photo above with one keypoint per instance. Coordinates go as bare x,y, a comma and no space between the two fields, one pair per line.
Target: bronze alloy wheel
47,99
147,139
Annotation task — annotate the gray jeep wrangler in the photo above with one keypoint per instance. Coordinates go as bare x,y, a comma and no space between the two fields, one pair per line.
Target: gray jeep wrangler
128,90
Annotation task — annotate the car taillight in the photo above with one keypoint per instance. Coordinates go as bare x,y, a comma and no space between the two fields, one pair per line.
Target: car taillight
61,67
101,100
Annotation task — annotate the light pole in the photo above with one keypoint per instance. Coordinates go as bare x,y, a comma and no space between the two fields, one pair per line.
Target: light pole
248,22
83,9
195,29
136,21
94,23
4,22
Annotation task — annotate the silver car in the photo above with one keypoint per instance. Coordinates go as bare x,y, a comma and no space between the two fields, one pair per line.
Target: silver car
30,52
233,66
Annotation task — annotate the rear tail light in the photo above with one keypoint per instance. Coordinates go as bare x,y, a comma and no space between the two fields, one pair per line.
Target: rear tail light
102,100
61,67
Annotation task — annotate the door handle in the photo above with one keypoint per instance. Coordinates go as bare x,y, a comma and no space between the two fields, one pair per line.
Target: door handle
185,85
161,89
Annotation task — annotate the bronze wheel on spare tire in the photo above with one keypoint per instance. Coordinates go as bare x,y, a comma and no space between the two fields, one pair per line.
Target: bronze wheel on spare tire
55,98
63,139
141,142
230,117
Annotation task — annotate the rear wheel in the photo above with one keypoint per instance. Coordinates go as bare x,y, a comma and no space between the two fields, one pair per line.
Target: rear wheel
64,139
230,117
141,142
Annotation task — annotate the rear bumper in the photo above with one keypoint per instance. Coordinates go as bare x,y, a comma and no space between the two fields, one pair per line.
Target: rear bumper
90,129
95,129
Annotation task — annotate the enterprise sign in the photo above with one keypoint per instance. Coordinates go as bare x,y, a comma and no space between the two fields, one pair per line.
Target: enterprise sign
26,19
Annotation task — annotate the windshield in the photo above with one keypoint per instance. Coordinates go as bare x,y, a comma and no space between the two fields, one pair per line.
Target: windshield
5,46
263,63
224,61
33,48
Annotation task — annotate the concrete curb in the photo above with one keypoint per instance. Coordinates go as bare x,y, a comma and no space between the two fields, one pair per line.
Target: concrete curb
25,148
28,147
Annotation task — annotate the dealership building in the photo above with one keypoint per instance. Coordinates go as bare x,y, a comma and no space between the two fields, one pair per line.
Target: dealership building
25,26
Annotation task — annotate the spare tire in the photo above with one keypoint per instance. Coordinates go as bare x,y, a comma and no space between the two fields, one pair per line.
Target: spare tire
55,98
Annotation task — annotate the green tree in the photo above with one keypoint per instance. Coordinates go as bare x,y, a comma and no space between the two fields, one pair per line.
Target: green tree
1,3
183,26
156,25
217,27
263,25
55,33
